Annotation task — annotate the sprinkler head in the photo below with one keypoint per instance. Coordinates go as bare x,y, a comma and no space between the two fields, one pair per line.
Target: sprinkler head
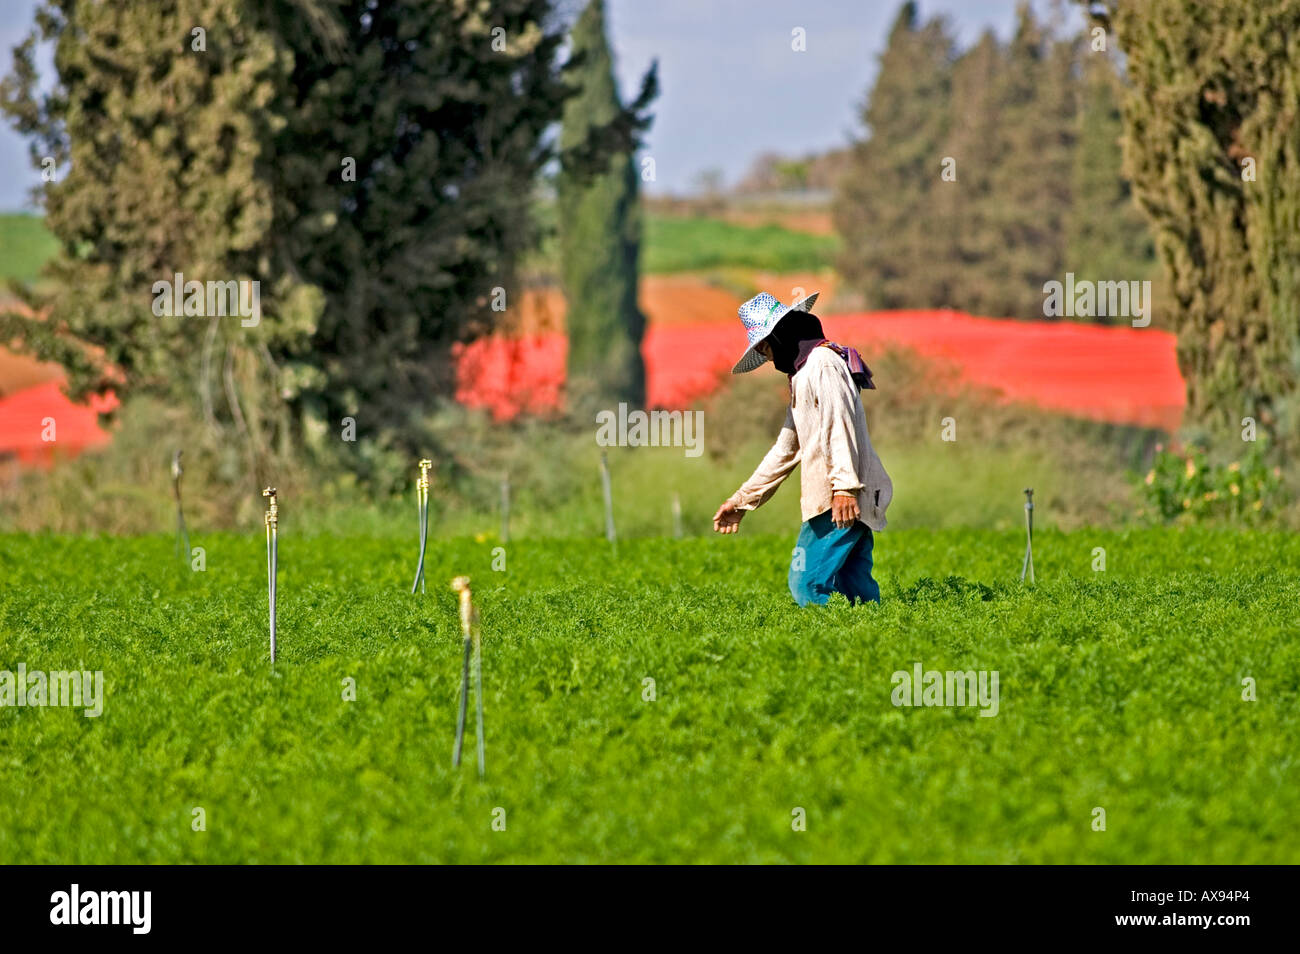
468,615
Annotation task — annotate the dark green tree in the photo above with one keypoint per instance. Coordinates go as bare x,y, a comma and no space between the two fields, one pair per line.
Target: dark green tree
1211,148
369,164
599,236
155,126
964,207
1106,236
1030,185
884,204
403,181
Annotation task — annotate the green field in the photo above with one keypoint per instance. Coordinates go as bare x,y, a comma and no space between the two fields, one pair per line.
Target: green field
687,243
669,244
1119,689
24,246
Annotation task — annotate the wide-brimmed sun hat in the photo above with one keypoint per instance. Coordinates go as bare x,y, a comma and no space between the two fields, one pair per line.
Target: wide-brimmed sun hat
759,315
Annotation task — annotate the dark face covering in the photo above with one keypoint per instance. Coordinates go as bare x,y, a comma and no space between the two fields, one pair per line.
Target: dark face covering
795,328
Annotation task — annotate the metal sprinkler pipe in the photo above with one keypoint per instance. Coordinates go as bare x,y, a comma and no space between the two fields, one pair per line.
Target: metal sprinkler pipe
422,512
608,493
182,535
1028,566
505,508
473,646
272,552
478,700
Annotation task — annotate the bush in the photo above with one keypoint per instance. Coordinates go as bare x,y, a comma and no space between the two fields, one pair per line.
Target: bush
1189,486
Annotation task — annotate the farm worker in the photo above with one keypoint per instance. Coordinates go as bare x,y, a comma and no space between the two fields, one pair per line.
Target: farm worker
844,488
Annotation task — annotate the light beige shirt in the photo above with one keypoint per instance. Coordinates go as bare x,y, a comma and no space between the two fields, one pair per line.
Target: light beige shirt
825,430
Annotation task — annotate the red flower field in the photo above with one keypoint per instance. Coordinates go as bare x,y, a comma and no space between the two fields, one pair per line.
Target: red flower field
1123,375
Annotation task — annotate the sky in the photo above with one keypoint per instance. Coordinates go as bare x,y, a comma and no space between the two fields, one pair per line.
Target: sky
731,87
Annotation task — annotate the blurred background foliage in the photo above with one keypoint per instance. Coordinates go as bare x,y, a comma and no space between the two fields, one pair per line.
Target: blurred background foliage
1085,472
487,161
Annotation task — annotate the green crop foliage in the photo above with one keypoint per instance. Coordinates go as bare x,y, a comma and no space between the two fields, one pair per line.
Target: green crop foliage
1120,689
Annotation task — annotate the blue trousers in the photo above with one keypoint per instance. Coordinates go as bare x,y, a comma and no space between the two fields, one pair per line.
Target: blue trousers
829,560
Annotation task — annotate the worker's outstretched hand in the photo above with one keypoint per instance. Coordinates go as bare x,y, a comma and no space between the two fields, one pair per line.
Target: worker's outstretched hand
727,519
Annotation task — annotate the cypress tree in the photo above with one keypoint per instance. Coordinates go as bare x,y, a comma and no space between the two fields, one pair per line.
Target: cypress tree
1210,146
155,127
600,237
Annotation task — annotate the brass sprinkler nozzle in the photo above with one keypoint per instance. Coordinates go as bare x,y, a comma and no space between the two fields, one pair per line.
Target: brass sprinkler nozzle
425,464
272,514
461,585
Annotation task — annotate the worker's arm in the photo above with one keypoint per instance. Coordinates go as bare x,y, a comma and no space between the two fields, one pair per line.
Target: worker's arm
838,401
758,489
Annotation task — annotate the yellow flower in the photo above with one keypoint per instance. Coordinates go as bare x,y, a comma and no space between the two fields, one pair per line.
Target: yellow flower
480,537
1211,494
1235,490
1234,467
1191,468
1259,504
1151,478
1187,504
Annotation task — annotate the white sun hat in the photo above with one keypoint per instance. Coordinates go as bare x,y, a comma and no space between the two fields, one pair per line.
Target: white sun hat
759,315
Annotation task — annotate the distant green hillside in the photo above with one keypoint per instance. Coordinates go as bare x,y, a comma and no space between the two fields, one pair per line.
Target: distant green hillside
24,246
671,244
687,243
677,244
